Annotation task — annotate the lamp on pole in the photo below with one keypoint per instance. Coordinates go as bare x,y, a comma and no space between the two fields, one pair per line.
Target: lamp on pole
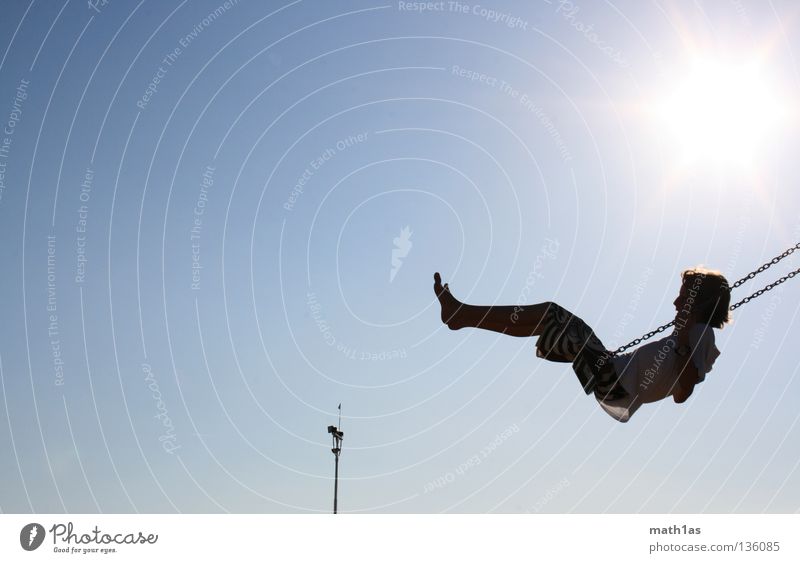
337,436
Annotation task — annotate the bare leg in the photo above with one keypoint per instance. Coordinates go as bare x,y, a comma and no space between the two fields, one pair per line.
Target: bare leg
515,320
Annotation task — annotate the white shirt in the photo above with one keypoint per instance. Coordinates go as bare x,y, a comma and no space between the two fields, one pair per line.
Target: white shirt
650,373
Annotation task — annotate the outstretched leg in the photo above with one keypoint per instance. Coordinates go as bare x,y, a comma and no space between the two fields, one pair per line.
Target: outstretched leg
515,320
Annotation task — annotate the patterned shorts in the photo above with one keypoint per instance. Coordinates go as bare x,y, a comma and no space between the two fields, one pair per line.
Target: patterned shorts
566,338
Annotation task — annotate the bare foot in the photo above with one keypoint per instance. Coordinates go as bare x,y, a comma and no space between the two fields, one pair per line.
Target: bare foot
450,305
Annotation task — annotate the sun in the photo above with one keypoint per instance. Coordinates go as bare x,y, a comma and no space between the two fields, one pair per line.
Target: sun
718,111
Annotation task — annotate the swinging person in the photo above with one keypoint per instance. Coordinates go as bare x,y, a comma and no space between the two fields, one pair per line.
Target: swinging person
671,366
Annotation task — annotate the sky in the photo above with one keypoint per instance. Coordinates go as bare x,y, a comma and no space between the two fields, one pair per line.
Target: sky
220,221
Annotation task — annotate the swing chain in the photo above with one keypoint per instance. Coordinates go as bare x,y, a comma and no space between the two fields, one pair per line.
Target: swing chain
747,299
765,289
775,260
650,334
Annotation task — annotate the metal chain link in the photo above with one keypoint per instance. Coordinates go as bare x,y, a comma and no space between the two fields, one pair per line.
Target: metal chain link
765,289
747,299
775,260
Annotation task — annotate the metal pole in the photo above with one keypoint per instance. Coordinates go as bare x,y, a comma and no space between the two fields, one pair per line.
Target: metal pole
337,436
336,484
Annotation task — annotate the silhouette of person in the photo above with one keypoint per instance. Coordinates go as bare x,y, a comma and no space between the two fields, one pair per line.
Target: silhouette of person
671,366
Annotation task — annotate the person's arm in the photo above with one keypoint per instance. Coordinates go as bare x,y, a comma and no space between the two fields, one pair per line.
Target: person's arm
688,371
686,381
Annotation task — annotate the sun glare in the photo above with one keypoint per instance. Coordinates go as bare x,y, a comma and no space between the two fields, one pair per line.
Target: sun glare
719,112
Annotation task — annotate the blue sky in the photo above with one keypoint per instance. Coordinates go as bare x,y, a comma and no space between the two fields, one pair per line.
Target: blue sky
144,370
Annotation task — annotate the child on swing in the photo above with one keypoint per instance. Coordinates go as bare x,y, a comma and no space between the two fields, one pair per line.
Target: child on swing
671,366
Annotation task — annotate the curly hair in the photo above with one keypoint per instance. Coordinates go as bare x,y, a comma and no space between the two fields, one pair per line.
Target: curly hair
713,295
